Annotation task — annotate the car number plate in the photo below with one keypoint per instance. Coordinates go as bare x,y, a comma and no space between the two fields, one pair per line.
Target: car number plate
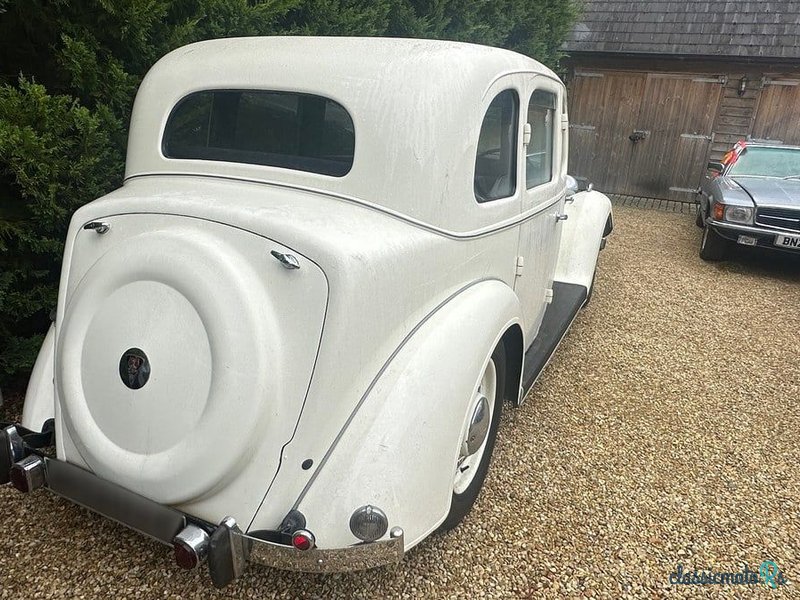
788,241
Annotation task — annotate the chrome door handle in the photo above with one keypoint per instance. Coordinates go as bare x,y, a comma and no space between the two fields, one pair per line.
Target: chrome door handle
561,217
288,261
97,226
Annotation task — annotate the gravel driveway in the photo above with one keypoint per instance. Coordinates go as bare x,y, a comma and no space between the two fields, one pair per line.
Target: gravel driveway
665,431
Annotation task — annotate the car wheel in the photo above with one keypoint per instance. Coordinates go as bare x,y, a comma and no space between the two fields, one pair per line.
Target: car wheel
713,246
698,219
477,439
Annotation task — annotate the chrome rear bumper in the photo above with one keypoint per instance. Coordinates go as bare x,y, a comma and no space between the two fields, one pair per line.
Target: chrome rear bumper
229,550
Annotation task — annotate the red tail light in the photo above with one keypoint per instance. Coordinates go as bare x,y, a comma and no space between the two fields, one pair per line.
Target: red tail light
185,556
190,546
303,540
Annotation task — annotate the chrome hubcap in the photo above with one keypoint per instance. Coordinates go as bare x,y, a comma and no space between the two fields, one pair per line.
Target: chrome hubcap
478,427
476,430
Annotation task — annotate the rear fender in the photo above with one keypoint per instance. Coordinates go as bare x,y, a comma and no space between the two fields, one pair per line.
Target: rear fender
399,450
590,220
40,400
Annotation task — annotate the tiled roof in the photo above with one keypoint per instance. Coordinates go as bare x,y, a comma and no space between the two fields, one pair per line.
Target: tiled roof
744,28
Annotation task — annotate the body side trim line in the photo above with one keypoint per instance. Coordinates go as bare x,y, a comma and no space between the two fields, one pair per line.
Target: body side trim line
476,233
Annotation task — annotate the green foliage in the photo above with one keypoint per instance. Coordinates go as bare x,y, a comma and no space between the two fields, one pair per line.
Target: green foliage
69,70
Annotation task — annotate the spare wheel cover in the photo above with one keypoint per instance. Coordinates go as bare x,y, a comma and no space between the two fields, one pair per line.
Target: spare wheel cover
201,314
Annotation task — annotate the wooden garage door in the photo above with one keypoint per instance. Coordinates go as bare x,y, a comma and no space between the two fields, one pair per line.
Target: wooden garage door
643,134
778,115
603,108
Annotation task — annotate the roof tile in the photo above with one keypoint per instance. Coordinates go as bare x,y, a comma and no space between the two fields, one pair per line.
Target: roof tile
746,28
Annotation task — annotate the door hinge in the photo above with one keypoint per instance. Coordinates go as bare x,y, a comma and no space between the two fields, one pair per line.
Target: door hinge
520,265
548,295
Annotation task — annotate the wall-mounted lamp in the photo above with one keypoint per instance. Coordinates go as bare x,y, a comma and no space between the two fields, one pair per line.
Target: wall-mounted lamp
742,85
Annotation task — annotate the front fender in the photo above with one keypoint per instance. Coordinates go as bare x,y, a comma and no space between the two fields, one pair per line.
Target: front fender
40,400
399,450
589,221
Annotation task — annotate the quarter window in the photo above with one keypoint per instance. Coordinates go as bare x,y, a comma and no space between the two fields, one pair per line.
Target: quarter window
539,156
303,132
496,163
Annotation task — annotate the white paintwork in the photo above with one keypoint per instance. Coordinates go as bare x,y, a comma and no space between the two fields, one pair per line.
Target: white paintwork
366,359
39,397
400,449
581,236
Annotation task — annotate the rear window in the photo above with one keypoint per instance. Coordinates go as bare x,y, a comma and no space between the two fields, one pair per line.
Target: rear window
303,132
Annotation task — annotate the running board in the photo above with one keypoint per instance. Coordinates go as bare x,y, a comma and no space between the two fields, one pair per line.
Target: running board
568,298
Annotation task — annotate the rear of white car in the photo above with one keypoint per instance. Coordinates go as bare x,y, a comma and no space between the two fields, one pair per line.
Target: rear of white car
288,337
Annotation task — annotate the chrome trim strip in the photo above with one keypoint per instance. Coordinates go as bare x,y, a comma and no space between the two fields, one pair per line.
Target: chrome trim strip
455,235
324,560
776,229
739,228
780,218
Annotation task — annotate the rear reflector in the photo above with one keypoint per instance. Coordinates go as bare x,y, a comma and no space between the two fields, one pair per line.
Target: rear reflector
190,546
28,474
303,540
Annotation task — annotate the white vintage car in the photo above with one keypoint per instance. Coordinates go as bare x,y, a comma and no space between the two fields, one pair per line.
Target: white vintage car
288,337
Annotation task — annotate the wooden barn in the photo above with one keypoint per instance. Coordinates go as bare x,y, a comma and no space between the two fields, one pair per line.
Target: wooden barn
659,88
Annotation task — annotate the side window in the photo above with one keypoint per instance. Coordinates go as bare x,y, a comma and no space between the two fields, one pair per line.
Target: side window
496,163
539,157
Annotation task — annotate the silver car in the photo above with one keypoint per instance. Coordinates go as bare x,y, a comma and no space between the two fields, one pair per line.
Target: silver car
751,198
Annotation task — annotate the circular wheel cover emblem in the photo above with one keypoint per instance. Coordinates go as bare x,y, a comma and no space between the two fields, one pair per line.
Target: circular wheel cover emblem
134,368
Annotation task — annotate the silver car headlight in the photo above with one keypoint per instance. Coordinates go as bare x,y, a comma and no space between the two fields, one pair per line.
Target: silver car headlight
739,214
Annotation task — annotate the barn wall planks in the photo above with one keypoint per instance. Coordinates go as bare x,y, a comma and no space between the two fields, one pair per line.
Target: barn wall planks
613,96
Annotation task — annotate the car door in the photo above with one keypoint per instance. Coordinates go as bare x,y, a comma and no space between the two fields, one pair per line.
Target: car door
544,170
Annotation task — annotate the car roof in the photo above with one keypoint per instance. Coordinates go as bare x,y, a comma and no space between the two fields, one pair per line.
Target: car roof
416,105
